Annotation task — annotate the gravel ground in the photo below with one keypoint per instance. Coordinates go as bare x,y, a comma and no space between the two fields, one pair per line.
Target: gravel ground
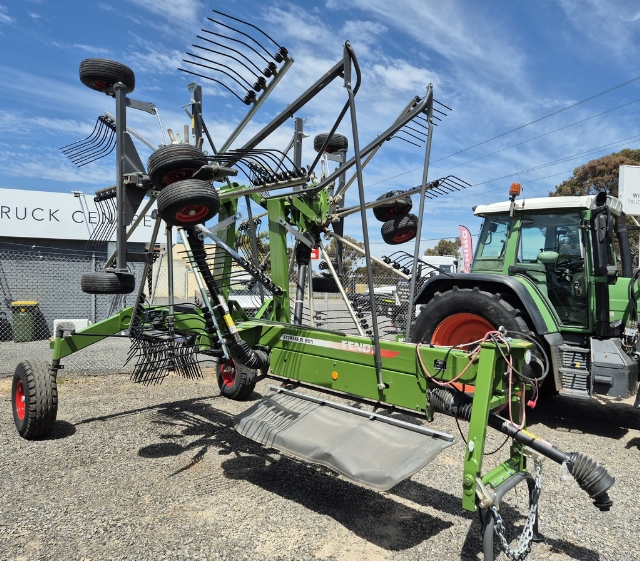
157,472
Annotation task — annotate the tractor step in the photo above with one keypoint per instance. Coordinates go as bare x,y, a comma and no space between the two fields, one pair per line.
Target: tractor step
375,450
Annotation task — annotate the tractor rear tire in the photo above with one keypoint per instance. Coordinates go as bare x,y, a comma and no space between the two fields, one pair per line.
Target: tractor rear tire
174,162
105,282
387,211
338,142
188,202
101,74
464,315
235,380
401,229
34,399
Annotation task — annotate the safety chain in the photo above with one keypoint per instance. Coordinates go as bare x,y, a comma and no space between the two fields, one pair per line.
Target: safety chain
524,543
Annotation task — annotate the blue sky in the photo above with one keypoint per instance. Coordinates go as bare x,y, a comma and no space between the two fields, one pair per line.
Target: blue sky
498,65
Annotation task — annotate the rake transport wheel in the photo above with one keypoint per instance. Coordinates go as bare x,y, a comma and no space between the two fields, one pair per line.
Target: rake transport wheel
174,162
101,74
325,284
387,211
188,202
105,282
235,380
338,142
34,399
400,229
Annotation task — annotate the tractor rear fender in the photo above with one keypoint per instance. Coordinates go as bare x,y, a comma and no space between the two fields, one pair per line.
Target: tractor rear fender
512,290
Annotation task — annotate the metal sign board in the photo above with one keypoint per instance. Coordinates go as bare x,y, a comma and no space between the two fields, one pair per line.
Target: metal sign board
58,216
629,189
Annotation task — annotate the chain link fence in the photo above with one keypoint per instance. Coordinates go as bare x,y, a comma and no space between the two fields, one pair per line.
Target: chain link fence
40,286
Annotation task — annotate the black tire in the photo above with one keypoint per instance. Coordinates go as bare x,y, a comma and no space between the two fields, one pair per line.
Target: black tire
338,142
235,380
188,202
174,162
490,307
101,74
325,284
104,282
387,211
34,399
400,229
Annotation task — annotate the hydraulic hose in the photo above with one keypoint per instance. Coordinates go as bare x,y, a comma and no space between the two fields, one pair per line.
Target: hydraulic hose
589,474
303,258
239,350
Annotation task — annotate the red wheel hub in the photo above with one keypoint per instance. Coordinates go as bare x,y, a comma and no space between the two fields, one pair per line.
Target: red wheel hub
391,213
20,399
192,213
403,236
178,175
228,373
460,328
101,86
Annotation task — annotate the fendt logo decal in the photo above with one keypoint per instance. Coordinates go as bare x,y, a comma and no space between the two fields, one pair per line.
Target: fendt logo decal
350,346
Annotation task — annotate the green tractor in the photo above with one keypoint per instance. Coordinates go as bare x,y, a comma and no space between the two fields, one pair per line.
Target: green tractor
559,271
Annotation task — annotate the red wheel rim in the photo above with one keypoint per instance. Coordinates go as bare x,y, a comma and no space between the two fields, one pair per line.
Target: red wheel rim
192,213
403,236
391,213
178,175
20,399
101,86
460,328
228,373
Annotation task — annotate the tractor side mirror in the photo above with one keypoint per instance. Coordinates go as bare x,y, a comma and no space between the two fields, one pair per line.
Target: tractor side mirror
604,228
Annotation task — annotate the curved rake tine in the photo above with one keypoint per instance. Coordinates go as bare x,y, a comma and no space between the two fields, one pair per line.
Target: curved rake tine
400,138
90,146
222,71
244,34
266,72
228,55
236,41
66,148
417,131
108,148
267,155
208,77
250,25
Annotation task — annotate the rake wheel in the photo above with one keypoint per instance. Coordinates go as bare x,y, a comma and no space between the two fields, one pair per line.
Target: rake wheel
101,74
401,229
174,162
34,399
387,211
235,380
338,142
188,202
105,282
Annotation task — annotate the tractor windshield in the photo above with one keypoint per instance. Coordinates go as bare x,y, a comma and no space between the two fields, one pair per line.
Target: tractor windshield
492,243
551,248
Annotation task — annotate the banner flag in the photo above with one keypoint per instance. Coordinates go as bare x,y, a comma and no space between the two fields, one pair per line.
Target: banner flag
466,245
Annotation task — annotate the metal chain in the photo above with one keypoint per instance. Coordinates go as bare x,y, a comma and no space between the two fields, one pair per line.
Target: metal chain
524,543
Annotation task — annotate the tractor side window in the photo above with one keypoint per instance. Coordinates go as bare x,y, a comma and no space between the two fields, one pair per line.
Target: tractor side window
551,248
492,243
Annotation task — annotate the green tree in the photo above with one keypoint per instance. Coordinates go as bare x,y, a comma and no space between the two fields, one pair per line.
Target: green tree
350,257
597,175
445,247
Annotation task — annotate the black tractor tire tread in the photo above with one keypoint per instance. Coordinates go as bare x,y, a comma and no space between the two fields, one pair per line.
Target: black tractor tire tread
180,194
388,211
173,157
399,224
104,282
243,386
41,399
490,306
94,70
325,284
338,142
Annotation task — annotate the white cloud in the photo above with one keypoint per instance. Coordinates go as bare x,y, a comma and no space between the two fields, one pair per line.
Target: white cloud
178,12
4,16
